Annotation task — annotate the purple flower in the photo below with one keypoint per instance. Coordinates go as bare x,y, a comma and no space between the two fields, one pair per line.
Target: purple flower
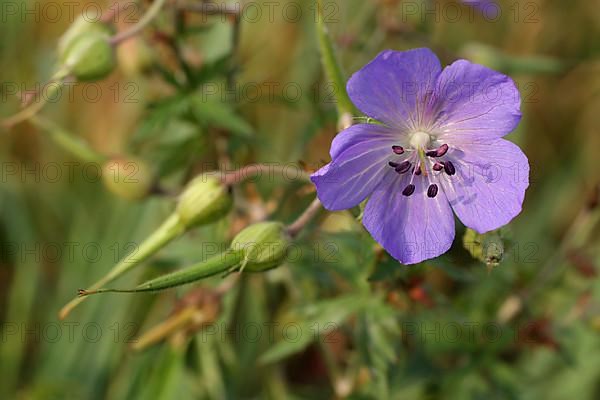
438,149
479,4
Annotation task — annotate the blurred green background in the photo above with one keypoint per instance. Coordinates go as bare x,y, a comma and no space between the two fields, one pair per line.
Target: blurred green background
340,319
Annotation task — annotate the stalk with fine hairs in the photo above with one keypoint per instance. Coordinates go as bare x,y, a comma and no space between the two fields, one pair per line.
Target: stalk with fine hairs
59,78
169,230
141,24
254,170
35,106
271,235
68,141
219,264
332,67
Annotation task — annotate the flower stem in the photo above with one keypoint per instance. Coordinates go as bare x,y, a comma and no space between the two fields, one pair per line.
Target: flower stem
169,230
53,86
167,328
311,211
211,9
332,68
69,142
254,170
140,25
219,264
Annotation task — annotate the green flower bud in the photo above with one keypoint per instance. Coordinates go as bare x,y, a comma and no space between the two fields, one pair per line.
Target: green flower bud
484,55
487,248
493,249
130,178
204,200
263,246
89,56
81,26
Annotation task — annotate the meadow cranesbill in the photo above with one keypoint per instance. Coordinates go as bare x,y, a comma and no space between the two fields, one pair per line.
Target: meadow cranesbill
438,147
480,4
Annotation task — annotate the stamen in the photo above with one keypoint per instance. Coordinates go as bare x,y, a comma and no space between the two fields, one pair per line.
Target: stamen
438,167
410,189
449,168
398,149
439,152
393,164
412,176
432,191
418,170
403,167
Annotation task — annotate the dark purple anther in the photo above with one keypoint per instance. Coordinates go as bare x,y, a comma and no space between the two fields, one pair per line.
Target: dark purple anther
438,167
410,189
393,164
418,170
398,149
432,191
403,167
449,168
442,150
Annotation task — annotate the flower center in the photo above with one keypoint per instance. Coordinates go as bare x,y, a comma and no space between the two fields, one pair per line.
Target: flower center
422,161
419,140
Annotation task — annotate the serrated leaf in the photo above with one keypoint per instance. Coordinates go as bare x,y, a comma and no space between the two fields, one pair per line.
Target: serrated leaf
159,115
319,319
181,143
219,114
286,348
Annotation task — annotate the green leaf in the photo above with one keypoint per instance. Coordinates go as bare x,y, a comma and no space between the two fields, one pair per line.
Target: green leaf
159,115
315,320
286,348
181,142
219,114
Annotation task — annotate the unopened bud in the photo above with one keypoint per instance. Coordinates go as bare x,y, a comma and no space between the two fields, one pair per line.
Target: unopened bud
264,246
81,26
204,200
493,249
129,178
487,248
89,56
484,55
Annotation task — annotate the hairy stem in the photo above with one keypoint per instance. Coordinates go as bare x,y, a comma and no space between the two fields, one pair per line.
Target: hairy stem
300,223
331,65
140,25
255,170
69,142
219,264
35,106
210,9
169,230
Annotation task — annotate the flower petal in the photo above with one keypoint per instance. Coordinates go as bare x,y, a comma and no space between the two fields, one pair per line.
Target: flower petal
488,189
360,160
411,229
391,87
475,103
482,5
